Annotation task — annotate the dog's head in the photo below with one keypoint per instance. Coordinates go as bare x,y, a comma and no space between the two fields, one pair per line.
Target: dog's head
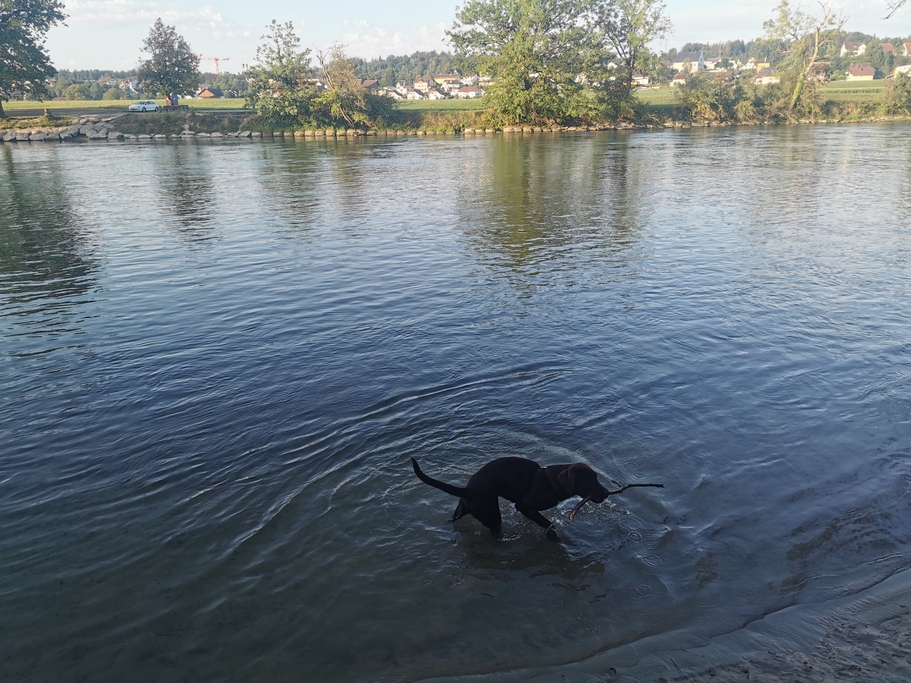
581,480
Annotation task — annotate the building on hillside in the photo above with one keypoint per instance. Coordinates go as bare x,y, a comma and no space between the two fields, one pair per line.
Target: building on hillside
414,95
861,72
888,48
680,79
210,93
424,84
371,85
688,61
391,93
640,81
435,95
765,76
907,48
852,48
468,92
448,82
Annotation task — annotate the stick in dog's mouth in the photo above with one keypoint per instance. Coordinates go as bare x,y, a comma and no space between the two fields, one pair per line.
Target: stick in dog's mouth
572,515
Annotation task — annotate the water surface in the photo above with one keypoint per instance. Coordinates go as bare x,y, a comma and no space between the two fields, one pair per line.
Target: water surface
217,359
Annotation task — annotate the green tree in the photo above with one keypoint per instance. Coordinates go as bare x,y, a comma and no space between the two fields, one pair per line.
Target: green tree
25,66
897,95
806,38
629,26
540,54
172,67
344,101
280,86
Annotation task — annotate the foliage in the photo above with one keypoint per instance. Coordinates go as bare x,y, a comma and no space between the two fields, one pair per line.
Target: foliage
806,38
172,67
344,100
544,56
286,94
280,86
705,99
25,66
406,68
897,95
629,26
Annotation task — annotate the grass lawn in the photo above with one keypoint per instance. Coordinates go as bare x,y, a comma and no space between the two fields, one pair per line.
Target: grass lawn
120,105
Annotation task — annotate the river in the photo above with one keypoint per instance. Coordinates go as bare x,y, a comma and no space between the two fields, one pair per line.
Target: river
218,357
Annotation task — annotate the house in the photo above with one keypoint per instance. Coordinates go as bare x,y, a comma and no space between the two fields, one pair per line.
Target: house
391,93
903,69
765,76
468,92
424,84
448,82
861,72
371,85
907,47
435,95
852,48
680,79
641,81
888,48
414,95
209,93
689,61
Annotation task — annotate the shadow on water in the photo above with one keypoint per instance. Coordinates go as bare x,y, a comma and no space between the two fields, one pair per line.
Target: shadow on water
45,256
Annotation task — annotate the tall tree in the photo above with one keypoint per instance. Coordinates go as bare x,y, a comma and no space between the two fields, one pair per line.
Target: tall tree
25,66
539,53
806,37
345,101
629,26
280,87
172,67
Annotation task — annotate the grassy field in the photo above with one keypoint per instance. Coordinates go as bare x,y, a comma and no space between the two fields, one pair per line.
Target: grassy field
440,105
118,105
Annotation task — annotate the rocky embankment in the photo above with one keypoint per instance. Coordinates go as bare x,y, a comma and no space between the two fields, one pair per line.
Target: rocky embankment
98,128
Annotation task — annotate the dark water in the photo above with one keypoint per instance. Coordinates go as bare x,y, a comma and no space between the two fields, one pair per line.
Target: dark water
216,360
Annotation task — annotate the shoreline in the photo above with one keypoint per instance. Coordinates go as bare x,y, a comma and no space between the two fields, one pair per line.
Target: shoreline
97,128
861,637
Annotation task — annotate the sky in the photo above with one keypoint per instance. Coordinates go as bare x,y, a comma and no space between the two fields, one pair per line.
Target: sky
108,34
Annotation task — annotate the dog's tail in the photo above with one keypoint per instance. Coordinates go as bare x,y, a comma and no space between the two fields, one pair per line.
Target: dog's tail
459,491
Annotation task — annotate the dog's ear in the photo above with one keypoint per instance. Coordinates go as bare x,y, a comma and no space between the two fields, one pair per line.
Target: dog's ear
567,479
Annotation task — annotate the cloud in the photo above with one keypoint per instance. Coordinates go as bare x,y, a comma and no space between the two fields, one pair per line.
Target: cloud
124,14
380,41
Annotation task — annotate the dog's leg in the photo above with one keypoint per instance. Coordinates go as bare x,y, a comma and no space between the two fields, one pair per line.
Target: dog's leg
540,520
487,512
461,510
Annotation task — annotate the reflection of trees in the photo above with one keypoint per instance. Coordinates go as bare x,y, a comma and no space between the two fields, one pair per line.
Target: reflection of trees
309,180
289,177
563,201
188,190
42,251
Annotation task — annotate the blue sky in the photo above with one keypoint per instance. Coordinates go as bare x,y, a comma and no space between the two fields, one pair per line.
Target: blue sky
108,34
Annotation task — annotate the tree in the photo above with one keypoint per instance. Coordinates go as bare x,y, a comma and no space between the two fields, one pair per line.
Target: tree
540,53
345,101
25,67
629,26
280,86
806,37
172,67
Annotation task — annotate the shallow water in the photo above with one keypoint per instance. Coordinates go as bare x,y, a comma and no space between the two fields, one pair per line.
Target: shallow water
217,358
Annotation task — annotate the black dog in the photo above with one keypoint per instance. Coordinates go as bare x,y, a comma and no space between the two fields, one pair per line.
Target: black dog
524,482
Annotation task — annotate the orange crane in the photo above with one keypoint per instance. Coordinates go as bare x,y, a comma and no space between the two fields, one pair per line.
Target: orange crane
216,60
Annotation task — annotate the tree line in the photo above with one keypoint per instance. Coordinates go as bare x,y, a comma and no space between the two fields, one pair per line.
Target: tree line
546,61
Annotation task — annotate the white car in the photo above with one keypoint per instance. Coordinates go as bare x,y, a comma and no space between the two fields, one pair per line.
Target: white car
144,105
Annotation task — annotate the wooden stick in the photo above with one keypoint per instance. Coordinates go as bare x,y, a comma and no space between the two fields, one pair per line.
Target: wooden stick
629,486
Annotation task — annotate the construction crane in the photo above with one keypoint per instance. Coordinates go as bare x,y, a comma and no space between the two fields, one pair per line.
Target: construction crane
216,60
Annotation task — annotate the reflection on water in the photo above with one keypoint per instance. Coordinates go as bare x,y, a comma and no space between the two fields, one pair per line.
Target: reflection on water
45,259
205,462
